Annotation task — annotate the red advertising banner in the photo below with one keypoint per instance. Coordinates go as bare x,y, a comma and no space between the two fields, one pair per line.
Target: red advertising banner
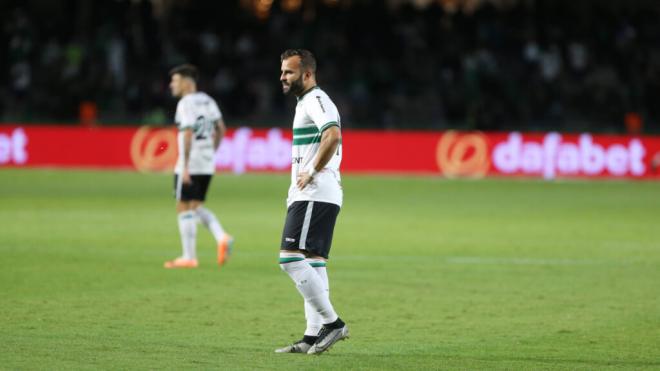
451,154
548,155
63,146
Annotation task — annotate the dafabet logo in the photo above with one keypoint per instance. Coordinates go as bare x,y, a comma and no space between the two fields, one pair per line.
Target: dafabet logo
154,149
463,155
553,156
13,147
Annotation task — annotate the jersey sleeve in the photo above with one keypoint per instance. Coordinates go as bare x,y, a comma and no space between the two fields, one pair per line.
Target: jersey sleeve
322,110
185,116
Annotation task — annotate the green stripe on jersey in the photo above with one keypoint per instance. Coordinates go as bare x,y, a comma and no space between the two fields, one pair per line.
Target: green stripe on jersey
329,124
306,140
310,140
290,260
306,130
317,264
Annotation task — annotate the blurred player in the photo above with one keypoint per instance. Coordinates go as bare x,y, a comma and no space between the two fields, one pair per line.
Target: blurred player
315,197
201,129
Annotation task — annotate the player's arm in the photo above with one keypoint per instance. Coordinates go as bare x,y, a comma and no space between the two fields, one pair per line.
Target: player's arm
187,145
330,140
220,130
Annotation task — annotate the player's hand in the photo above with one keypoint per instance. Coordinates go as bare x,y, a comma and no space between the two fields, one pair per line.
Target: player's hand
185,177
303,180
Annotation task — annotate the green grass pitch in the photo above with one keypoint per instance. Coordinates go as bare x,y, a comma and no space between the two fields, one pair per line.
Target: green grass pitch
428,273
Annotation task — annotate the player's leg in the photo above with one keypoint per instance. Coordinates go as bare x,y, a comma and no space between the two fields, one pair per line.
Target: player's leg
319,241
300,224
320,266
208,219
187,221
314,320
224,241
206,216
309,284
312,289
330,332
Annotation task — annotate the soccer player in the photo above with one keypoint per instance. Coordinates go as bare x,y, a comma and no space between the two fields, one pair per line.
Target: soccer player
315,197
201,129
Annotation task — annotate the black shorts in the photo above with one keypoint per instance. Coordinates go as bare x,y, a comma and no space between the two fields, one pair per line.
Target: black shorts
309,226
196,191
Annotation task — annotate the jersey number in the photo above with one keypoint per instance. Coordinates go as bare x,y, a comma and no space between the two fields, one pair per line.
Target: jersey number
202,128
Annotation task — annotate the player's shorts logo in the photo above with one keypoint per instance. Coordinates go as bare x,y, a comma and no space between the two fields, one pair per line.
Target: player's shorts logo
463,155
154,149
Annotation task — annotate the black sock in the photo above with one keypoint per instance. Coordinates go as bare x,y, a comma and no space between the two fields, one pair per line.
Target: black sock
336,324
309,339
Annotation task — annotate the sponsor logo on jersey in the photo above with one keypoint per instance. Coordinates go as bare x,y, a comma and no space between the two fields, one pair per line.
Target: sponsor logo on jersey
318,98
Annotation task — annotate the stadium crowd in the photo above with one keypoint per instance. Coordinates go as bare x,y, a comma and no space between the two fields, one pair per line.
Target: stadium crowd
489,65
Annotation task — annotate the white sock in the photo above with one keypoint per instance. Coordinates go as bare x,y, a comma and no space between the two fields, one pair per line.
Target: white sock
320,268
209,220
309,284
188,232
314,320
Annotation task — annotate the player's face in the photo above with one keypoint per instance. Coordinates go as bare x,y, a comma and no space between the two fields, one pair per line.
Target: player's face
176,85
292,76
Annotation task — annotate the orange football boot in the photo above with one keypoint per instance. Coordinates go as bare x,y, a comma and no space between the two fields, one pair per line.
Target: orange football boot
224,249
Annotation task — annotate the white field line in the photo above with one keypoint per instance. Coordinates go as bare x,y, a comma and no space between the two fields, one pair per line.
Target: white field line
518,261
467,260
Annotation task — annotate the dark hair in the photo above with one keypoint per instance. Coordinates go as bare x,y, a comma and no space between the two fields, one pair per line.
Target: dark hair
307,60
186,70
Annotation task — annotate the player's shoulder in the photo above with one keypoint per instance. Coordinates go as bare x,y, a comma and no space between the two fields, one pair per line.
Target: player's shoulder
197,98
185,101
316,96
202,96
315,93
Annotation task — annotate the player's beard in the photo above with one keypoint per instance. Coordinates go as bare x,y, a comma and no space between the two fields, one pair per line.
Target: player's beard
296,87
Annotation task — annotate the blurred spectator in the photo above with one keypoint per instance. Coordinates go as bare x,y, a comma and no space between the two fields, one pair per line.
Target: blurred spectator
437,64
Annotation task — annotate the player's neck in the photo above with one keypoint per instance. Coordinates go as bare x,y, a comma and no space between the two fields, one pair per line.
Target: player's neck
191,91
307,90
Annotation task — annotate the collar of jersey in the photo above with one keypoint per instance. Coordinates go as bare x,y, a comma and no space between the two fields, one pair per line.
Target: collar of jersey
305,93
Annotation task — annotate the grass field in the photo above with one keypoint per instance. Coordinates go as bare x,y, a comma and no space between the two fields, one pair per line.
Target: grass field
428,273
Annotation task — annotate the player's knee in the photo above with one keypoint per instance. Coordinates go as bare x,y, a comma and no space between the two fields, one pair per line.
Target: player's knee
183,206
316,261
290,261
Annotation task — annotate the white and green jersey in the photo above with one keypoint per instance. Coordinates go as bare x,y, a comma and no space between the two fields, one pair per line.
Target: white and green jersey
315,112
199,112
